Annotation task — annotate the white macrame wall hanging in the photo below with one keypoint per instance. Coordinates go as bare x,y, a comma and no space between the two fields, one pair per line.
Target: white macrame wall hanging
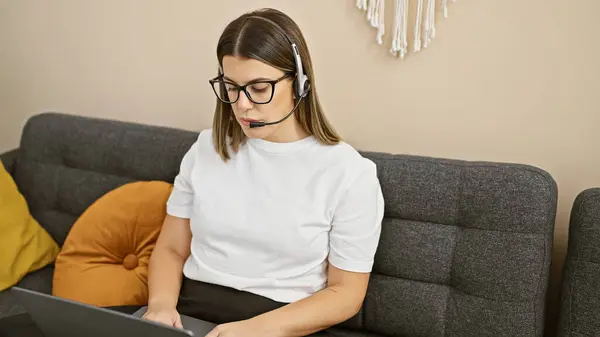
424,30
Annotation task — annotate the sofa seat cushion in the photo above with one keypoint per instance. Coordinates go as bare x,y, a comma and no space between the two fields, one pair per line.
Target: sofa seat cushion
24,245
104,260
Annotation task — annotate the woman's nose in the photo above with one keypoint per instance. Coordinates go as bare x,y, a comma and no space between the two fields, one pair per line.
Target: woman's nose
243,101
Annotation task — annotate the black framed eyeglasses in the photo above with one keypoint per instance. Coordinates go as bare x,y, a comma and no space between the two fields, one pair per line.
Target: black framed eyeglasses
258,91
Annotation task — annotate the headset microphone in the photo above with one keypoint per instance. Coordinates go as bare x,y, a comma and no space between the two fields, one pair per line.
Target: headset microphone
260,124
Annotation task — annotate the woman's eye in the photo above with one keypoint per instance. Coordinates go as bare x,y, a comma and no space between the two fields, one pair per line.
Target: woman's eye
259,88
231,88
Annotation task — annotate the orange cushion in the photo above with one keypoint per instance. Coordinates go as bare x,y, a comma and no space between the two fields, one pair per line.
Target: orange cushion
104,260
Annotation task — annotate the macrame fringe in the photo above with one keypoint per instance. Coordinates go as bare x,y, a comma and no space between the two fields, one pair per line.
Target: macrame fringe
417,42
361,4
375,15
399,41
429,24
445,8
424,32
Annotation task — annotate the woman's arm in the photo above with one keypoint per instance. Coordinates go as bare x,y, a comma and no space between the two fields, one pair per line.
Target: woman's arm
353,241
338,302
166,263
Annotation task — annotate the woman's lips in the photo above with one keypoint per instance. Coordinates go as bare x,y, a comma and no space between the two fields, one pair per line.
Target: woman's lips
247,121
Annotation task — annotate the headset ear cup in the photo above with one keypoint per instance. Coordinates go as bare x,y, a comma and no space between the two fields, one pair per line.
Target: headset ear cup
303,86
306,88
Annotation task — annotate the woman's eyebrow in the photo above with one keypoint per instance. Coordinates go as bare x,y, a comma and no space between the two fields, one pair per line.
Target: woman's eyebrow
251,81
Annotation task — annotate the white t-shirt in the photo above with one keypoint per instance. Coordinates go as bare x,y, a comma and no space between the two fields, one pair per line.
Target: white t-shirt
270,219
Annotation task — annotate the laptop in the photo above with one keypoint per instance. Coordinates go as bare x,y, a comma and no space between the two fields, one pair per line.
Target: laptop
59,317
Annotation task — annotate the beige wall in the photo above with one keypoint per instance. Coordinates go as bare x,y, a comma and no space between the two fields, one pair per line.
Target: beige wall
505,80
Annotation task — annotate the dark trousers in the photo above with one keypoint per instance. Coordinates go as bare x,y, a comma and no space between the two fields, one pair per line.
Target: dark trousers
220,304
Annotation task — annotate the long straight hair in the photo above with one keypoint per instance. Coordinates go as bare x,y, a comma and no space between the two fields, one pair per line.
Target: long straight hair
261,35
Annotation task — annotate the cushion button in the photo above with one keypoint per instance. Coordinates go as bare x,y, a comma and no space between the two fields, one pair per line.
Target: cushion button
130,262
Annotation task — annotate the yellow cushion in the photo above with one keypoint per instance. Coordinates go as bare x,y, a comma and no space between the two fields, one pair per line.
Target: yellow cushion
24,245
104,260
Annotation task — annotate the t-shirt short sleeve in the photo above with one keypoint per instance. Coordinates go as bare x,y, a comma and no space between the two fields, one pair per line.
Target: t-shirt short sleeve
181,200
356,226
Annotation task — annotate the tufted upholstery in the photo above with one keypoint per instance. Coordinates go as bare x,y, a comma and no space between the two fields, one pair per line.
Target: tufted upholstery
465,248
68,162
580,298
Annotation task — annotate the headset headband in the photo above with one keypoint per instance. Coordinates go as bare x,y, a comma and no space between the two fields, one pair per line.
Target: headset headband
302,83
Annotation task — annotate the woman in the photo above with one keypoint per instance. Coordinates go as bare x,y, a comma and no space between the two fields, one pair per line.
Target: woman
270,210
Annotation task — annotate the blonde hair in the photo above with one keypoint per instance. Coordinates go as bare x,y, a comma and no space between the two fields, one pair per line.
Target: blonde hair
260,35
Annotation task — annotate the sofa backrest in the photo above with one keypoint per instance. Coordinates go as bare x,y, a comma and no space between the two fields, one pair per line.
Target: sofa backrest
580,298
67,162
465,247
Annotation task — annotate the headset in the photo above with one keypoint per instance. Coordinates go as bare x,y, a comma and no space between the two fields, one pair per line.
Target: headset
302,83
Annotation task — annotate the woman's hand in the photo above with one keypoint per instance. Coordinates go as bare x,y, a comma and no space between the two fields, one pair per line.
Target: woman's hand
246,328
165,316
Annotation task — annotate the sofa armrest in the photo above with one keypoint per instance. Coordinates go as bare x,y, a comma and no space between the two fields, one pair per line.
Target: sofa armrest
9,159
580,300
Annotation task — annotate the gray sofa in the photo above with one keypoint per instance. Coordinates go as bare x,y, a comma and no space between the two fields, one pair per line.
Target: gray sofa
580,295
465,248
